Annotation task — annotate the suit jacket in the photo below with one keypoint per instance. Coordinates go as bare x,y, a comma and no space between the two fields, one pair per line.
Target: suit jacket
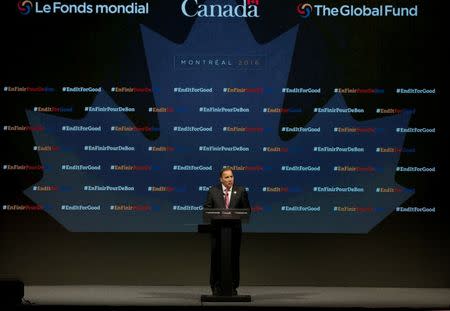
239,198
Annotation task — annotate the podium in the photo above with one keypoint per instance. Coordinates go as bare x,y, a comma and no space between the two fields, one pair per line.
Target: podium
223,220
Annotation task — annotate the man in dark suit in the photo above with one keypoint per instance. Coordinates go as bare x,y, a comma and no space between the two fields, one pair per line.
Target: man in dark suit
226,195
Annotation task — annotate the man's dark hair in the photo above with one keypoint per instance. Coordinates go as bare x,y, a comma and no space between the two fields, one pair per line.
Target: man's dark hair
226,168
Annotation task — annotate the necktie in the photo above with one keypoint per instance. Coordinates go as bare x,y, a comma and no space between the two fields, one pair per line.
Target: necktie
227,199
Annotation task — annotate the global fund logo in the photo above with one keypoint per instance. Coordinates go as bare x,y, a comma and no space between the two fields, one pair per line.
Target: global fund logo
246,8
24,7
305,10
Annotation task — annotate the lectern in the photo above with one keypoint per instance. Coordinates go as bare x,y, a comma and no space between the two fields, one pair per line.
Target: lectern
224,220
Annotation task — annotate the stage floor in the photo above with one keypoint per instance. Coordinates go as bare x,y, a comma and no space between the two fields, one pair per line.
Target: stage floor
262,296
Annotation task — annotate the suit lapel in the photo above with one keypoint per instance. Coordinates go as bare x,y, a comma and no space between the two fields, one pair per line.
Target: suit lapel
219,194
233,200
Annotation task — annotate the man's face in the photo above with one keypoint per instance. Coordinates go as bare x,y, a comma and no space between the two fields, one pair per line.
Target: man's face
227,179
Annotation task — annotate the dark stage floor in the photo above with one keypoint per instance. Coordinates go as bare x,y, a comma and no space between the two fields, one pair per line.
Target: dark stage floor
263,297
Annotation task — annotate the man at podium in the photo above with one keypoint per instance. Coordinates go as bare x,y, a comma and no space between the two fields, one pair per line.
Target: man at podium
226,195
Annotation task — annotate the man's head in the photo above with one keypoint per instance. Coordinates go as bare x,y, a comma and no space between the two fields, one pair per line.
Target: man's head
226,177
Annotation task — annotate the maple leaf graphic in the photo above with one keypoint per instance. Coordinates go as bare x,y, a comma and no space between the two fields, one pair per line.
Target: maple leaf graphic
233,40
